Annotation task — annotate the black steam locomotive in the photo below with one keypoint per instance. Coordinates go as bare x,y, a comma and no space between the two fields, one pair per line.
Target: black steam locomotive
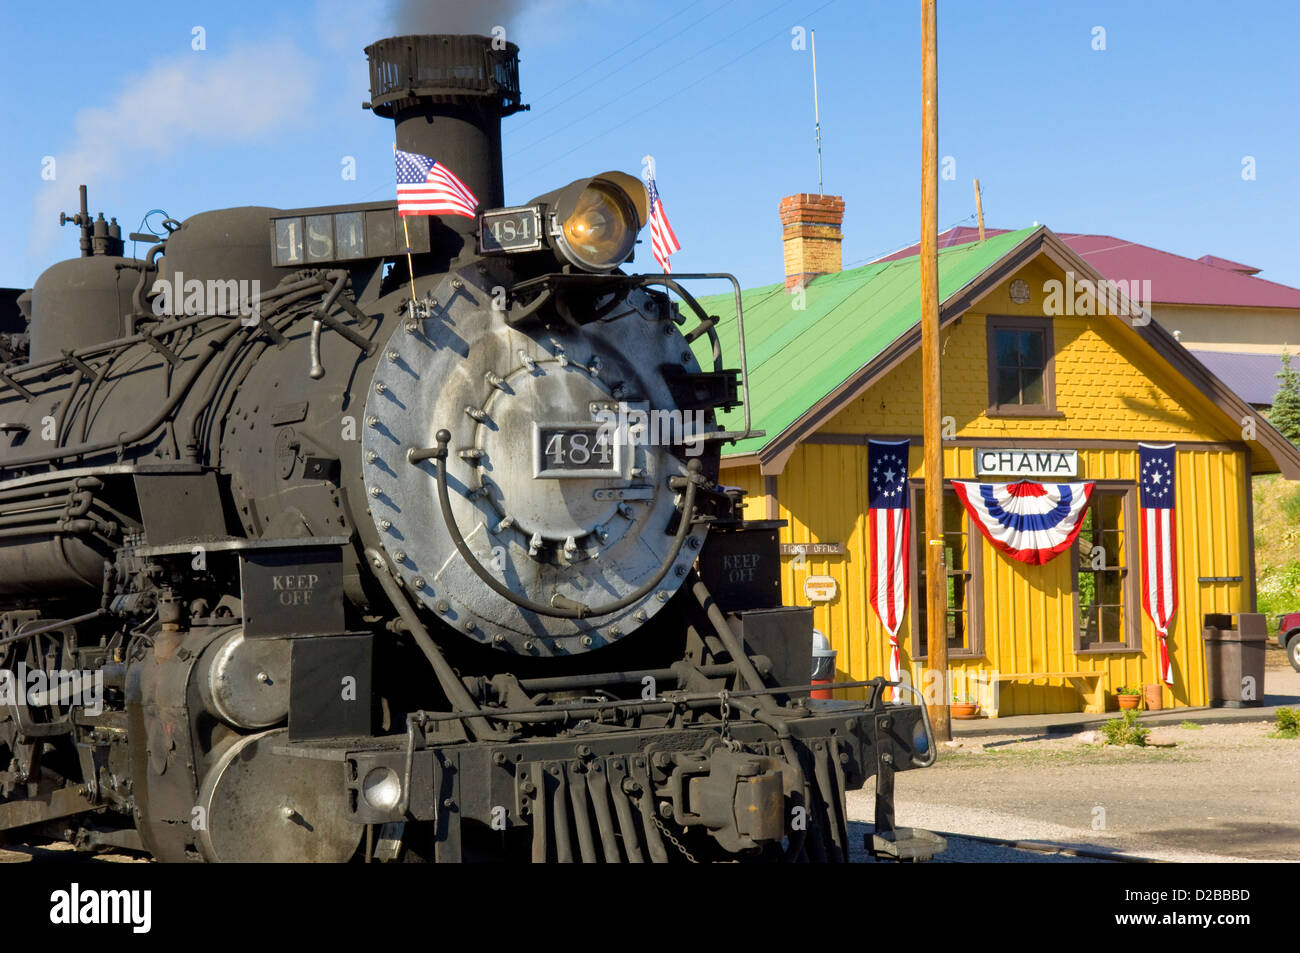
308,555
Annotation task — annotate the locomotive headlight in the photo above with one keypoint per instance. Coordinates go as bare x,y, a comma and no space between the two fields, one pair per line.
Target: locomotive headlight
593,222
601,230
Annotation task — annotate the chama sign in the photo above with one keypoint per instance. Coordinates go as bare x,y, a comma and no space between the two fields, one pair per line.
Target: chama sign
1024,463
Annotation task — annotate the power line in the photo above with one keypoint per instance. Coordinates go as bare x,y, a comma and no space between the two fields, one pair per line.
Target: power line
587,70
654,78
712,74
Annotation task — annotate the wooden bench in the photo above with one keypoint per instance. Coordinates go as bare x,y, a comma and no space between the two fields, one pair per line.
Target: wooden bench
1091,685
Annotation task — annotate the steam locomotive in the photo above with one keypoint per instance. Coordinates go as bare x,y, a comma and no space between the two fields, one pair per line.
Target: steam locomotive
323,538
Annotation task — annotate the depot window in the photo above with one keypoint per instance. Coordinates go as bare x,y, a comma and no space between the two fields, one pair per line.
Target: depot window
1022,380
961,551
1105,587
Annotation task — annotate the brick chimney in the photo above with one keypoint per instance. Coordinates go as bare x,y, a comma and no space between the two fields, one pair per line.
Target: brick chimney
811,234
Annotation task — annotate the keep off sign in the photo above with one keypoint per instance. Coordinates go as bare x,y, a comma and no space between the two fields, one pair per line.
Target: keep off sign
820,588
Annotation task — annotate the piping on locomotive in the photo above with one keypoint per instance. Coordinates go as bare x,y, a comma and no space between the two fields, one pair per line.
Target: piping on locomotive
375,577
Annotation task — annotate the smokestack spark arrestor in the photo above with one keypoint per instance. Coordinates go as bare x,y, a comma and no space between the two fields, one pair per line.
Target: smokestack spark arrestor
446,96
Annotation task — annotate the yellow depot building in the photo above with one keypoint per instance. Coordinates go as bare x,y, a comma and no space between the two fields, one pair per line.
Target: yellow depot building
1036,383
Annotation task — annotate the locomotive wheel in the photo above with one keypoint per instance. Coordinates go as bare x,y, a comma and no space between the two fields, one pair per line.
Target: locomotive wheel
266,807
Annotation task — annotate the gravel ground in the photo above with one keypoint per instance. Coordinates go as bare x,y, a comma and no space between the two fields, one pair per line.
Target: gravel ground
1199,792
1212,792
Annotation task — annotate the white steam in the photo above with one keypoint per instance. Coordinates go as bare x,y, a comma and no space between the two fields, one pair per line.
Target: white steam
192,101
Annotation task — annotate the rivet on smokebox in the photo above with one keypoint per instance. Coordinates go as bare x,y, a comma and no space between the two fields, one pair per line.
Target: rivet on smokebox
381,387
371,456
376,491
392,357
587,641
662,595
417,583
385,525
372,421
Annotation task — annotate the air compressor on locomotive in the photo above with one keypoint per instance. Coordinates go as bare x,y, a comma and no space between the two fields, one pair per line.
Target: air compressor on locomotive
357,573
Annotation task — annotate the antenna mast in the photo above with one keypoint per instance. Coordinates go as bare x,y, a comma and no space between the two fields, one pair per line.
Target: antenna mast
817,116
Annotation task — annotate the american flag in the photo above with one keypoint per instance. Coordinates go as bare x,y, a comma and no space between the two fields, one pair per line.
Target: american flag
1159,546
427,187
889,519
663,241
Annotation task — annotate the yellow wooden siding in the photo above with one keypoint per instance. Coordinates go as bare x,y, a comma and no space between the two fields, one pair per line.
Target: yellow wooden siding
1109,386
1028,611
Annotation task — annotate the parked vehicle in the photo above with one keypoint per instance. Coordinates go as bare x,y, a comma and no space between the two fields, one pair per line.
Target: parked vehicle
1288,636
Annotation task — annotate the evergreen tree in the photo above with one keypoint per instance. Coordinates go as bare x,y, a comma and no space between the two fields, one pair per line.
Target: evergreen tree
1285,413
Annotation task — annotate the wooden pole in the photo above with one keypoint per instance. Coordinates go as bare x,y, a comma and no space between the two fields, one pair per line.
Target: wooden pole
979,208
936,579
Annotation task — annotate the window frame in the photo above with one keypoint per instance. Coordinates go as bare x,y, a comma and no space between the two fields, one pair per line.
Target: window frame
999,322
1132,572
975,580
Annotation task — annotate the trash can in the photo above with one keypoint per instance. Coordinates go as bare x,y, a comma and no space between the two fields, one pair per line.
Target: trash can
1234,659
823,664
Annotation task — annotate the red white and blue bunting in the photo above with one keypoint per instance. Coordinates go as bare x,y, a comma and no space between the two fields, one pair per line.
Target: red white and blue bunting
1031,522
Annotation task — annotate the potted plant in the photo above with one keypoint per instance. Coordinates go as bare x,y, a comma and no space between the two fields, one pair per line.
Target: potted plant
1129,697
964,707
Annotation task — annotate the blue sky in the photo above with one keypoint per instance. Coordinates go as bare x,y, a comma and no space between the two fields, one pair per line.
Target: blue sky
1144,140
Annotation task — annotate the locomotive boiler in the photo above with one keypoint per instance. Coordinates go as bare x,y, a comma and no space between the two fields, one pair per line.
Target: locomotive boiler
323,538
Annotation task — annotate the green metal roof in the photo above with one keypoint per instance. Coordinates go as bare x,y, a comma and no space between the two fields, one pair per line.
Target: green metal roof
797,358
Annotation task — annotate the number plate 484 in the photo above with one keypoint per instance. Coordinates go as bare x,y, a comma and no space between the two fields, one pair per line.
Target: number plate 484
576,450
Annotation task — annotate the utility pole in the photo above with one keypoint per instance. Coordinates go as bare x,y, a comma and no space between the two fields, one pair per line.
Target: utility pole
979,208
936,578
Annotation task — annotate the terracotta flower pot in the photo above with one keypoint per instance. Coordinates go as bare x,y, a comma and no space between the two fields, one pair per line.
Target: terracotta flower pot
964,710
1153,697
1128,702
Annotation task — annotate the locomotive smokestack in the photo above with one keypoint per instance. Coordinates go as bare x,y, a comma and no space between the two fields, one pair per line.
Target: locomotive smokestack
446,95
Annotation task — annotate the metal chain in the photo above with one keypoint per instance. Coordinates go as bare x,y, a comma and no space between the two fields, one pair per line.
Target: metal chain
725,698
673,840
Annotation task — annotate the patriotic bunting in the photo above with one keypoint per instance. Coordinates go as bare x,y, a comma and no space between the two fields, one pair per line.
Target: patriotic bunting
888,522
1159,549
1030,522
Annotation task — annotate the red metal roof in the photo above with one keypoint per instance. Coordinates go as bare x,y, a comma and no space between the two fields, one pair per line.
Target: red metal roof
1218,262
1174,279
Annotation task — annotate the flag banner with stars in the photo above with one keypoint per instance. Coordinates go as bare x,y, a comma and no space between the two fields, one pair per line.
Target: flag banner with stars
663,240
1159,544
427,187
889,519
1030,522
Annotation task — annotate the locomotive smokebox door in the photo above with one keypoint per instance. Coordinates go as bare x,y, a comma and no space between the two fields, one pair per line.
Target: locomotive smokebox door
329,687
742,566
291,588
